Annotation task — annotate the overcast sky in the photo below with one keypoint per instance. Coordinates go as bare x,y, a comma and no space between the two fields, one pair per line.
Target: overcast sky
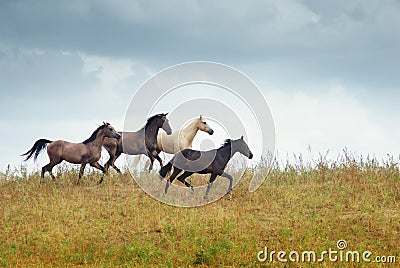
328,69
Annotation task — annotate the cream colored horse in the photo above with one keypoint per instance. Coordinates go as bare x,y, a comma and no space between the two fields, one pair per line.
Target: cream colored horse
179,140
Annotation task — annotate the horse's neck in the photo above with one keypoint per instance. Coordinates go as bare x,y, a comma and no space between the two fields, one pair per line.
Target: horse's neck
151,132
190,132
226,153
98,141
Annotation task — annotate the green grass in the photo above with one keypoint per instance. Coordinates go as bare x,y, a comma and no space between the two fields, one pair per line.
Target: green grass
299,207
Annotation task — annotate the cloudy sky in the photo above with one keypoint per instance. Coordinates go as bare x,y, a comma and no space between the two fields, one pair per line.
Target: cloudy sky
328,69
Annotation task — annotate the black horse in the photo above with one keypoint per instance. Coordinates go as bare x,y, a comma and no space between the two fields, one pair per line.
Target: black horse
205,162
143,141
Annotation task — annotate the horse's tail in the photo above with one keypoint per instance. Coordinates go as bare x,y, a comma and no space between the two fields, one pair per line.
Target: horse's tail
36,149
166,169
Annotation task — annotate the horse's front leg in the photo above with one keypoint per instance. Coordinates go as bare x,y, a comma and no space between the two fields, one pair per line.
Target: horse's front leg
98,166
172,178
226,175
212,179
113,163
151,156
159,160
182,178
112,150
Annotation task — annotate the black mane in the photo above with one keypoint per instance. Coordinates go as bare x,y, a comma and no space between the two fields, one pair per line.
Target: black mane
227,142
150,120
94,134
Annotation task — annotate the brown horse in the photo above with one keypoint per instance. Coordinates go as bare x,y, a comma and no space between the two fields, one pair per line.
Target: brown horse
143,141
87,152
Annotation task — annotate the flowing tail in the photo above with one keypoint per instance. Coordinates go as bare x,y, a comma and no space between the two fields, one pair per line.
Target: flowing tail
36,149
165,169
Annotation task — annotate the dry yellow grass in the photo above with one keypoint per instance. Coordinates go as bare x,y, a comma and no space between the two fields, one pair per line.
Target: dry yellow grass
117,224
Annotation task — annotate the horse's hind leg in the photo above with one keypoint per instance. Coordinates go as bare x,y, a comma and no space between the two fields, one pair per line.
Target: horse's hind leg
44,169
47,168
81,170
182,178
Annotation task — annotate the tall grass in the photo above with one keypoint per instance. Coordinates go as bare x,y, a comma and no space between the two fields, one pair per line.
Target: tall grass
301,206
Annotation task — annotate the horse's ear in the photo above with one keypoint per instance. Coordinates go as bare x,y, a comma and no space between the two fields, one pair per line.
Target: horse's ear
241,137
201,117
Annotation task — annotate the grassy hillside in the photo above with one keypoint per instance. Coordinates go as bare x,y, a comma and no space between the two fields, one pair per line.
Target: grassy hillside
298,207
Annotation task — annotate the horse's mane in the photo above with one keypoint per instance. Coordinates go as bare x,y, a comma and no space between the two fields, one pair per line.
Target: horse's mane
94,134
152,118
227,142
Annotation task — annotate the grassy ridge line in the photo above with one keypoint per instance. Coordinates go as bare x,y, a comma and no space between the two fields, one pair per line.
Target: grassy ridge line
117,224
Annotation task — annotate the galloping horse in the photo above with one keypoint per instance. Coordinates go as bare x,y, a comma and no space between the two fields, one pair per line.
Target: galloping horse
205,162
143,141
87,152
181,139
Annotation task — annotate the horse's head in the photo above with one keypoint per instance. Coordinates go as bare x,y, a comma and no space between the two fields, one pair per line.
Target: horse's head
203,126
165,125
161,121
110,132
241,146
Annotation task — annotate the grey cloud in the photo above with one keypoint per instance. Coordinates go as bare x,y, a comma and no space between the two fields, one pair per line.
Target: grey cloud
347,39
49,85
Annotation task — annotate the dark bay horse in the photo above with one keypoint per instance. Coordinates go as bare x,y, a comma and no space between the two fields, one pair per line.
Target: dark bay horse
143,141
205,162
181,139
87,152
